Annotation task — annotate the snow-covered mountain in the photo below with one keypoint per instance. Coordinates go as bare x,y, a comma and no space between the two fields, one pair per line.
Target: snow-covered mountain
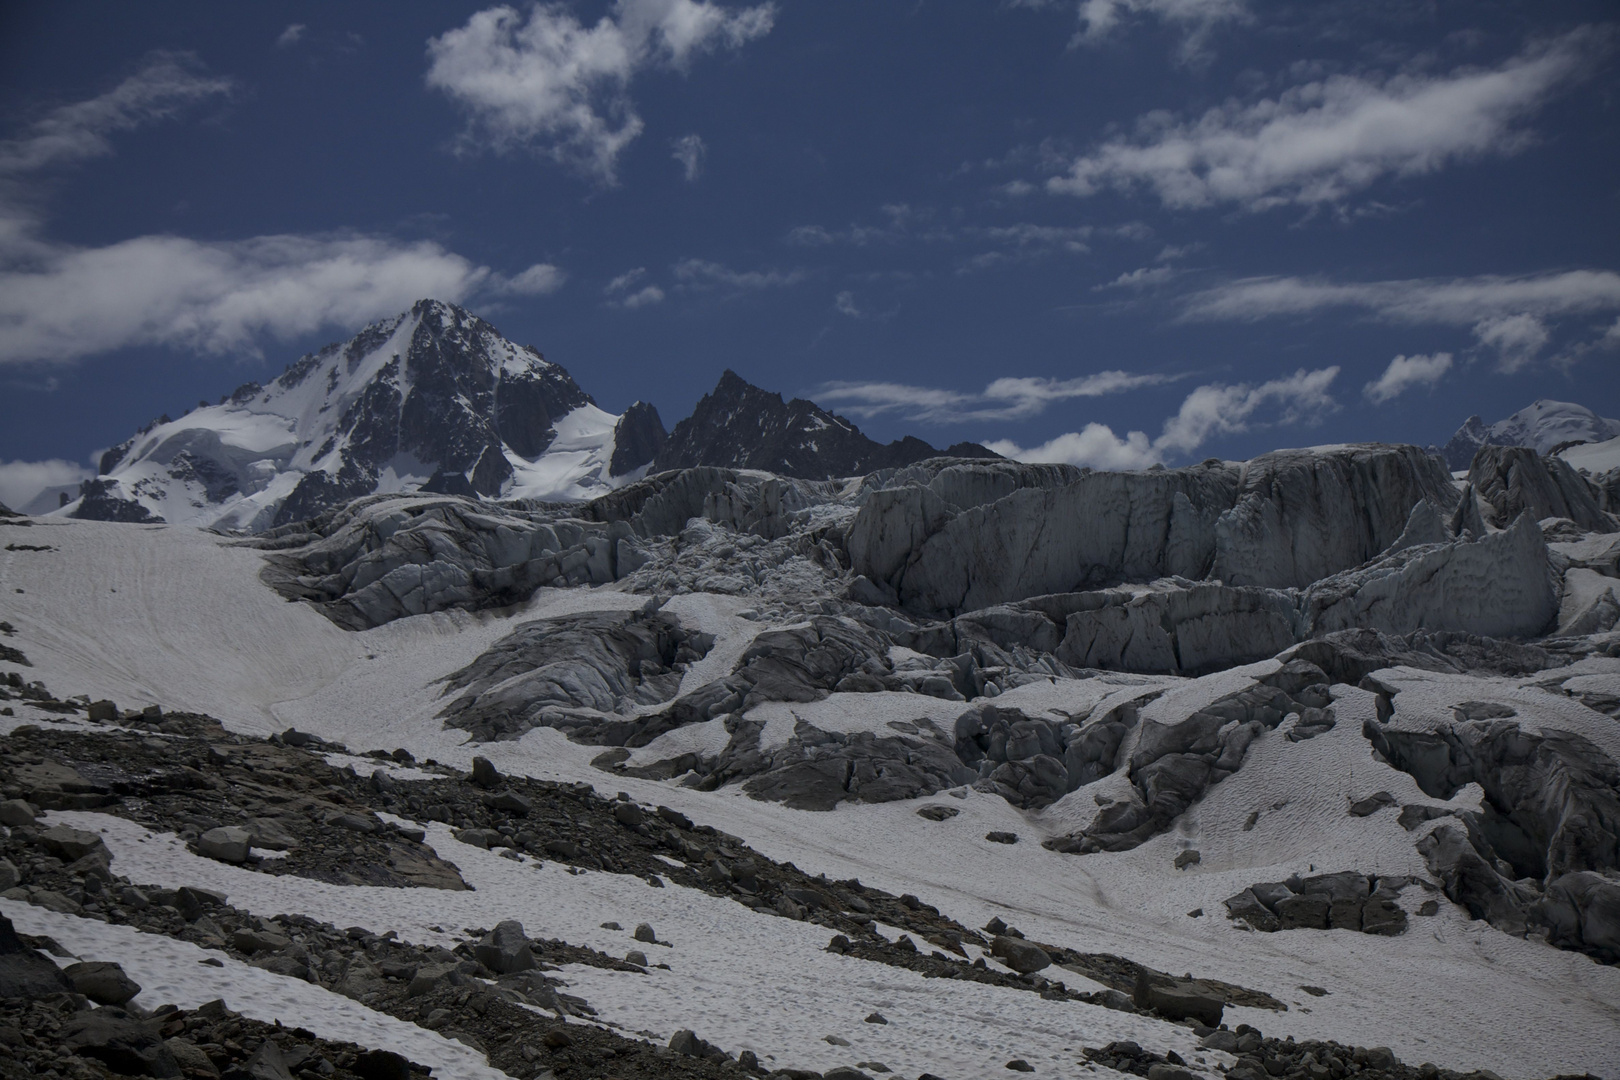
1544,425
432,400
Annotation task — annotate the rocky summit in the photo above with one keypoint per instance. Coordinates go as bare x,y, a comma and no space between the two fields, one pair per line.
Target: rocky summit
757,748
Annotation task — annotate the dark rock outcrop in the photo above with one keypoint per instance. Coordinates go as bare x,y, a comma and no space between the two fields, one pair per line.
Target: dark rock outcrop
740,426
638,438
1341,901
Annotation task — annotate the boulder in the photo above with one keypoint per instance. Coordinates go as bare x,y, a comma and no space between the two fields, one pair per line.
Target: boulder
119,1041
102,982
1177,1000
1020,955
505,949
70,844
14,812
26,972
228,843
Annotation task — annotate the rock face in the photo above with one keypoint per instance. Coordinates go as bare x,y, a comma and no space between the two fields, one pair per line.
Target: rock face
1283,520
1514,480
1341,901
26,972
1538,853
1542,426
638,438
433,400
740,426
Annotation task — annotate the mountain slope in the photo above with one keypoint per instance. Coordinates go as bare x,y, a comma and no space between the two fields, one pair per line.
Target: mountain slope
1543,425
433,400
740,426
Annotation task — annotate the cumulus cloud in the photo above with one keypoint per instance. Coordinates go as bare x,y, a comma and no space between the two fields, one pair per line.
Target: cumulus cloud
690,151
1510,315
1405,372
644,297
1008,398
291,35
21,482
1210,410
1318,143
549,83
165,84
1095,446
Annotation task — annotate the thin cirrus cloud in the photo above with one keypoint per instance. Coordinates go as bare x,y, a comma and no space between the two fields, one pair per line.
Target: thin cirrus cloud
1404,373
61,302
1009,398
1193,20
623,293
547,82
1209,411
703,275
1514,316
1319,143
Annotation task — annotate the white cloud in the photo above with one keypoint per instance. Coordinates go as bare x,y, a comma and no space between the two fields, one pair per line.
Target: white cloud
1210,410
1008,398
703,274
646,297
845,303
1225,410
1405,372
1096,447
214,297
1320,142
60,302
552,84
21,482
1141,278
165,84
625,280
541,279
690,151
1511,315
1194,19
291,35
1517,339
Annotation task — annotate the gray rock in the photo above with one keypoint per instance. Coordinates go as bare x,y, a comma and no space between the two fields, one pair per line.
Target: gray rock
70,844
636,957
936,812
1187,858
483,772
228,843
644,932
125,1045
255,941
1178,1001
1371,804
1020,955
25,972
9,875
102,982
14,812
505,949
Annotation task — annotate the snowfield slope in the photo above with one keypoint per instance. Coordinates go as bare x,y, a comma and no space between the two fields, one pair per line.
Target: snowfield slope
173,616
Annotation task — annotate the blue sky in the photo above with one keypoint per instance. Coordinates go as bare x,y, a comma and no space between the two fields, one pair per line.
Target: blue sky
1106,231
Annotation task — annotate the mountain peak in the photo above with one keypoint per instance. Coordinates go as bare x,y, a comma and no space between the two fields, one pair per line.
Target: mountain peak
739,425
1544,425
